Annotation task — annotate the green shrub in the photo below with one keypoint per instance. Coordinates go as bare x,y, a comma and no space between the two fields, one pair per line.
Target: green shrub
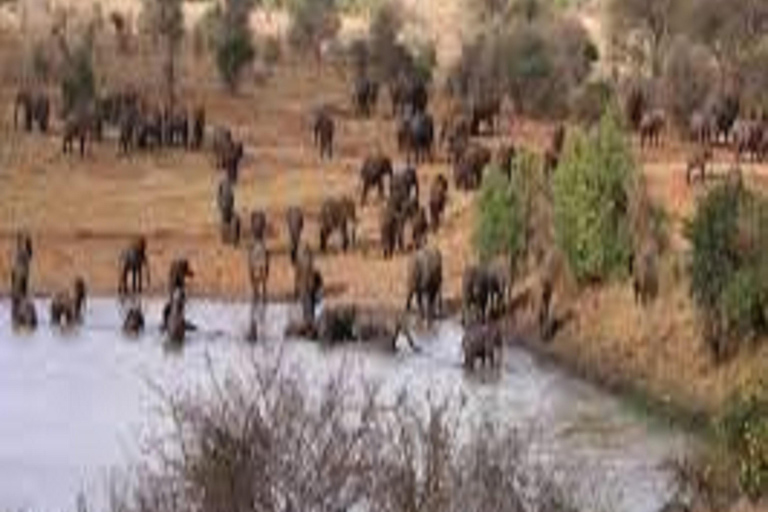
499,226
591,101
729,265
744,428
590,191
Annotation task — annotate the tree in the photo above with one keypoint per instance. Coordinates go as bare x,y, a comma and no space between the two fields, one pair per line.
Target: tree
641,31
165,20
591,201
230,35
312,23
499,227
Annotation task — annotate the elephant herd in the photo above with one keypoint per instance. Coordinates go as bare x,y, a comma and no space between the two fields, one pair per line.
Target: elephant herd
137,123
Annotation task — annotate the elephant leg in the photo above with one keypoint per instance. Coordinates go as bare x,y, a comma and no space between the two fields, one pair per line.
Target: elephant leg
345,237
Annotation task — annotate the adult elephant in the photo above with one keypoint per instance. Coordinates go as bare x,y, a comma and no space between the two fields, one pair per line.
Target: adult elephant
468,171
438,200
425,281
259,225
308,284
403,187
375,170
338,215
416,137
294,220
258,272
66,308
484,111
179,271
483,293
365,95
134,263
324,130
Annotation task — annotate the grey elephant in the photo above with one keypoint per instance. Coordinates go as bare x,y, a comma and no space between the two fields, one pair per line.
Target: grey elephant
483,293
438,200
484,111
258,272
259,225
468,171
376,168
365,95
294,220
67,308
482,343
425,281
179,271
134,263
133,321
416,137
338,215
198,128
652,127
308,284
82,124
175,323
324,130
403,187
23,313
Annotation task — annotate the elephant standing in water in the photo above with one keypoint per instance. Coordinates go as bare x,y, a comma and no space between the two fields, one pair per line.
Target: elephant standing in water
258,272
425,281
134,262
482,342
133,322
308,285
23,313
66,308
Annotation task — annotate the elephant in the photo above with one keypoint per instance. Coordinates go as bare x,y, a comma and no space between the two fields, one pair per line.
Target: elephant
134,262
21,265
337,325
23,313
228,153
438,199
129,127
651,128
419,227
309,286
416,137
645,278
483,293
338,214
698,162
258,272
324,129
455,134
176,129
403,187
425,281
703,127
35,110
225,200
231,230
409,95
259,225
179,271
748,138
365,96
66,309
149,129
198,128
174,321
80,125
376,168
391,230
484,111
468,171
484,343
133,322
294,219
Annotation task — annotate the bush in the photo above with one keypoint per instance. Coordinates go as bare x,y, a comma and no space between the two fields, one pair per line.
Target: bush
500,227
78,80
729,265
233,53
312,23
591,101
271,443
688,80
591,196
744,428
271,50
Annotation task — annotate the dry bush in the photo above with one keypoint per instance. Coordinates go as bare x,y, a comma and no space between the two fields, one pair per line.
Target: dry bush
267,443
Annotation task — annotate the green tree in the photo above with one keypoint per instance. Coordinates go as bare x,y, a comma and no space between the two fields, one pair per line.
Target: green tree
312,23
499,226
590,191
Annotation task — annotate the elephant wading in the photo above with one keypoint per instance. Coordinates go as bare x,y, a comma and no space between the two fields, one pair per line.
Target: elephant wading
66,308
338,214
425,281
258,272
483,343
178,273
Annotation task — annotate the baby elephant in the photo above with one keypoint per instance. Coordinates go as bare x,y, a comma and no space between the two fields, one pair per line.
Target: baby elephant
133,323
66,308
23,313
482,342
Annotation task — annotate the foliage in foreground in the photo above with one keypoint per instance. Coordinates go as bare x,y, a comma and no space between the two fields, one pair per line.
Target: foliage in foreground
729,266
266,443
591,189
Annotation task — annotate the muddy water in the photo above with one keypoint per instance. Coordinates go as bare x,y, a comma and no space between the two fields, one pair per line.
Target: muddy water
74,407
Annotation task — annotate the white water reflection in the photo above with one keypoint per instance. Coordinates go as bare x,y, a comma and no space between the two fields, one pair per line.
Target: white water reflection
73,407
